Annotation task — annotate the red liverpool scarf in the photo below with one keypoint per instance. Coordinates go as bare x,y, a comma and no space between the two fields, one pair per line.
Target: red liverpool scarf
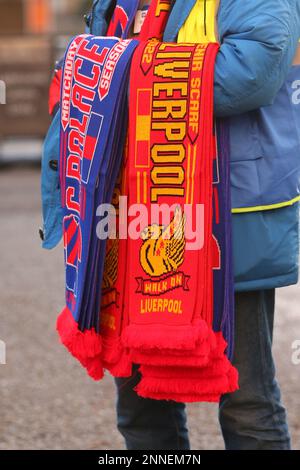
194,366
170,288
169,146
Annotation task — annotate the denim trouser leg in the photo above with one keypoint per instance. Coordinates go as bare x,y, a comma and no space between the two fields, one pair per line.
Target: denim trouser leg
253,417
149,424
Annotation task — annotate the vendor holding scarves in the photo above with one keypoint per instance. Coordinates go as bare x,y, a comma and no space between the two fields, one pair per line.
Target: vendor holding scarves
256,85
255,37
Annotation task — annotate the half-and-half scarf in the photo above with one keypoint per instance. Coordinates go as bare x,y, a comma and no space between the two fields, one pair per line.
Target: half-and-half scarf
93,124
197,373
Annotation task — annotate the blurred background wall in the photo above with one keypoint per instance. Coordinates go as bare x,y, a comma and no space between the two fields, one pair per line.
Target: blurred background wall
40,16
33,35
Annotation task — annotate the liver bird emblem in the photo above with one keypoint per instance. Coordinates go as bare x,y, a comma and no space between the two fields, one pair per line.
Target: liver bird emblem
163,248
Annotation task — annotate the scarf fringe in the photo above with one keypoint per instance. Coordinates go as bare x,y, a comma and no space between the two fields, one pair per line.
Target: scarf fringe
85,346
182,397
214,368
122,368
112,349
94,367
165,360
115,357
213,345
190,383
217,385
166,337
188,390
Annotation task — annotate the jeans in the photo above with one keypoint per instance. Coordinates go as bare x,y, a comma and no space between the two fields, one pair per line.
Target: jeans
250,418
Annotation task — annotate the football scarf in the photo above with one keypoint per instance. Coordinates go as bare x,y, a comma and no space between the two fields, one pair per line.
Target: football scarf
115,357
109,284
113,317
166,147
223,272
94,90
122,19
170,289
216,375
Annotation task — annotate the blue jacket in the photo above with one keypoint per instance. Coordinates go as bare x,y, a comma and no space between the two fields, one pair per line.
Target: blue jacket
259,91
254,86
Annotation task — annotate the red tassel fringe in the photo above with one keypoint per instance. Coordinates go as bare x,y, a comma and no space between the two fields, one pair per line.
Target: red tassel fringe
84,346
116,359
208,389
183,374
184,338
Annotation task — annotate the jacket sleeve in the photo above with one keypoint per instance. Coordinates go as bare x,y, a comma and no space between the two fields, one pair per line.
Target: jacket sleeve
258,43
99,16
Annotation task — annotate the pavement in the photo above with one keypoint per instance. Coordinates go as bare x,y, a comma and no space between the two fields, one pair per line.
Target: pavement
46,399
